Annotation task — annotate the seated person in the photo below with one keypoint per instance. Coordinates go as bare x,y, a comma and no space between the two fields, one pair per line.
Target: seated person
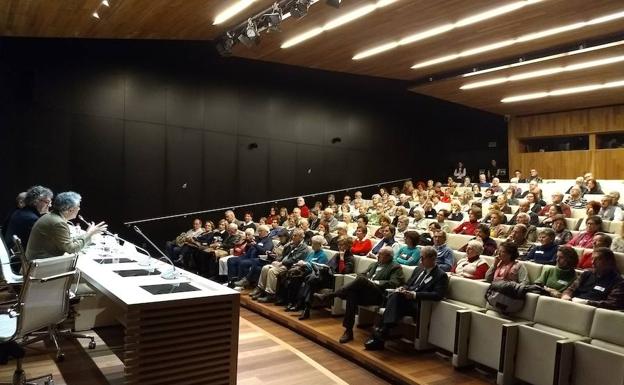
552,213
580,184
524,207
430,212
607,209
585,238
517,236
599,240
341,230
562,234
51,237
471,224
238,268
367,289
341,263
361,244
531,230
494,207
387,240
506,266
456,214
546,252
419,222
300,271
313,219
556,200
441,217
410,253
472,266
602,286
482,233
556,280
576,200
175,249
593,187
248,222
488,197
497,228
444,253
295,251
238,250
401,228
618,242
275,228
384,221
304,225
427,283
324,231
592,209
36,203
503,204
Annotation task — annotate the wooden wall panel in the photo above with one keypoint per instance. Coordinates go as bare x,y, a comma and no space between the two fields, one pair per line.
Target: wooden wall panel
605,164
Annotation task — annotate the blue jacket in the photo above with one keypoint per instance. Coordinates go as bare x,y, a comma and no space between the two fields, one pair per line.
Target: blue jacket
20,224
546,255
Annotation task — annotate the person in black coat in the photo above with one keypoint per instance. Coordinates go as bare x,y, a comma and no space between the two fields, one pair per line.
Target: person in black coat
427,283
21,222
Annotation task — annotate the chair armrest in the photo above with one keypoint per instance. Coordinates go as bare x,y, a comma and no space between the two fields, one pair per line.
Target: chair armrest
57,276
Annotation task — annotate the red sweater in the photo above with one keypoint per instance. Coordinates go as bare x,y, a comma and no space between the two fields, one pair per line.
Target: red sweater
305,211
586,260
361,247
467,228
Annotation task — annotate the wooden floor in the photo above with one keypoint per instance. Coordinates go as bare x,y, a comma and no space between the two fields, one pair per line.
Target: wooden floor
399,367
264,358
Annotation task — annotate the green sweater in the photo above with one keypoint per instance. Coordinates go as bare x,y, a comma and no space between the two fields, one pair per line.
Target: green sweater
557,278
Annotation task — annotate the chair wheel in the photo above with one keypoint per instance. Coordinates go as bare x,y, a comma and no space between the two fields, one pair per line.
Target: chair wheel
60,357
92,345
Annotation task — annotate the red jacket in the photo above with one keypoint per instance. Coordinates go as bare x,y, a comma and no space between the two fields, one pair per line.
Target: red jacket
305,211
565,208
467,228
361,247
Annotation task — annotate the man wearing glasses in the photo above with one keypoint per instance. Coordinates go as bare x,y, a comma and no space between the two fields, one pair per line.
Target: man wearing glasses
36,204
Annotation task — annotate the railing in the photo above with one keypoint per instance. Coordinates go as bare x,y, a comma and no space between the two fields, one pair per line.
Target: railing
183,215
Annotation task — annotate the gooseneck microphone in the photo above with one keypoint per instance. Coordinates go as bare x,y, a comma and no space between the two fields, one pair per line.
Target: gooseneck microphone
170,274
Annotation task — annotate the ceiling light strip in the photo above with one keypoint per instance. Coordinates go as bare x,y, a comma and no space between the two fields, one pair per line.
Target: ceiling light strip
337,22
545,58
564,91
231,11
544,72
521,39
419,36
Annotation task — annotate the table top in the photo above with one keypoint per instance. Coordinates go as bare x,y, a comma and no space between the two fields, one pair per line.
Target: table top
127,291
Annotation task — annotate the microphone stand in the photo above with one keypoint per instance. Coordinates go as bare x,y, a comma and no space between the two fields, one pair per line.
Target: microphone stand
171,274
144,262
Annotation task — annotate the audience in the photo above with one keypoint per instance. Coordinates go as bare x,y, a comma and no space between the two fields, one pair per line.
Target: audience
361,244
472,266
546,252
599,240
576,200
562,234
471,224
410,253
387,240
444,259
506,266
585,238
556,200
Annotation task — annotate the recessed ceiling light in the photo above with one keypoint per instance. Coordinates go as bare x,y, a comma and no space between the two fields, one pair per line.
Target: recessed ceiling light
96,15
564,91
231,11
444,28
545,58
545,72
521,39
337,22
105,3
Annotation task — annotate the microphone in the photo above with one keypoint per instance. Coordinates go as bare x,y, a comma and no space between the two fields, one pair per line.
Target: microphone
171,274
144,262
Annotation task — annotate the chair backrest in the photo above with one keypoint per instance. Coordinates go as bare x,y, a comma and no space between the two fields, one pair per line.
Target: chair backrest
44,299
468,291
362,263
564,315
18,250
5,261
606,330
534,270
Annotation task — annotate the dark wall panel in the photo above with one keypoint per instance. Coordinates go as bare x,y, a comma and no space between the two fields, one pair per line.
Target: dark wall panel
309,173
221,109
220,165
104,95
144,176
253,169
282,169
184,169
185,105
145,98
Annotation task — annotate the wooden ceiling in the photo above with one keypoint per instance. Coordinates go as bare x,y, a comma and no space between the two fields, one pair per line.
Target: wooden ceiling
333,50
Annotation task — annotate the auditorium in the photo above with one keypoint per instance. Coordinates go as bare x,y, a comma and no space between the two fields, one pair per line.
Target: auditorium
311,192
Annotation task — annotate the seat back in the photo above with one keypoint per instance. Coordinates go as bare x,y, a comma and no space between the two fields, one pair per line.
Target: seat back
468,291
44,299
407,271
573,223
534,270
607,330
5,260
456,241
457,255
552,314
18,250
362,264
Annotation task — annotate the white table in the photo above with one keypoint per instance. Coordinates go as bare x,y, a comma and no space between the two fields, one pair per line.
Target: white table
177,338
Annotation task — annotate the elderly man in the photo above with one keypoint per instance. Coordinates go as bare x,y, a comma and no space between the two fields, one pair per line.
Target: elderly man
238,267
482,233
367,289
36,203
177,248
328,217
230,217
19,204
401,228
519,177
483,181
603,286
496,187
580,183
51,237
619,207
296,251
599,240
427,283
556,199
444,259
607,209
534,176
304,210
518,236
576,200
546,252
524,207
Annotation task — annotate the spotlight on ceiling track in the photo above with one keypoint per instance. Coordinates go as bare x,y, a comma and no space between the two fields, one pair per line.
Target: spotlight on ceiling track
300,8
95,15
274,19
334,3
250,35
224,46
105,3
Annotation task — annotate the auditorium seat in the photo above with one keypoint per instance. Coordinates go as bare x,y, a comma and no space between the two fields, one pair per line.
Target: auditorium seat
601,360
573,223
484,341
534,270
540,354
360,264
456,241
